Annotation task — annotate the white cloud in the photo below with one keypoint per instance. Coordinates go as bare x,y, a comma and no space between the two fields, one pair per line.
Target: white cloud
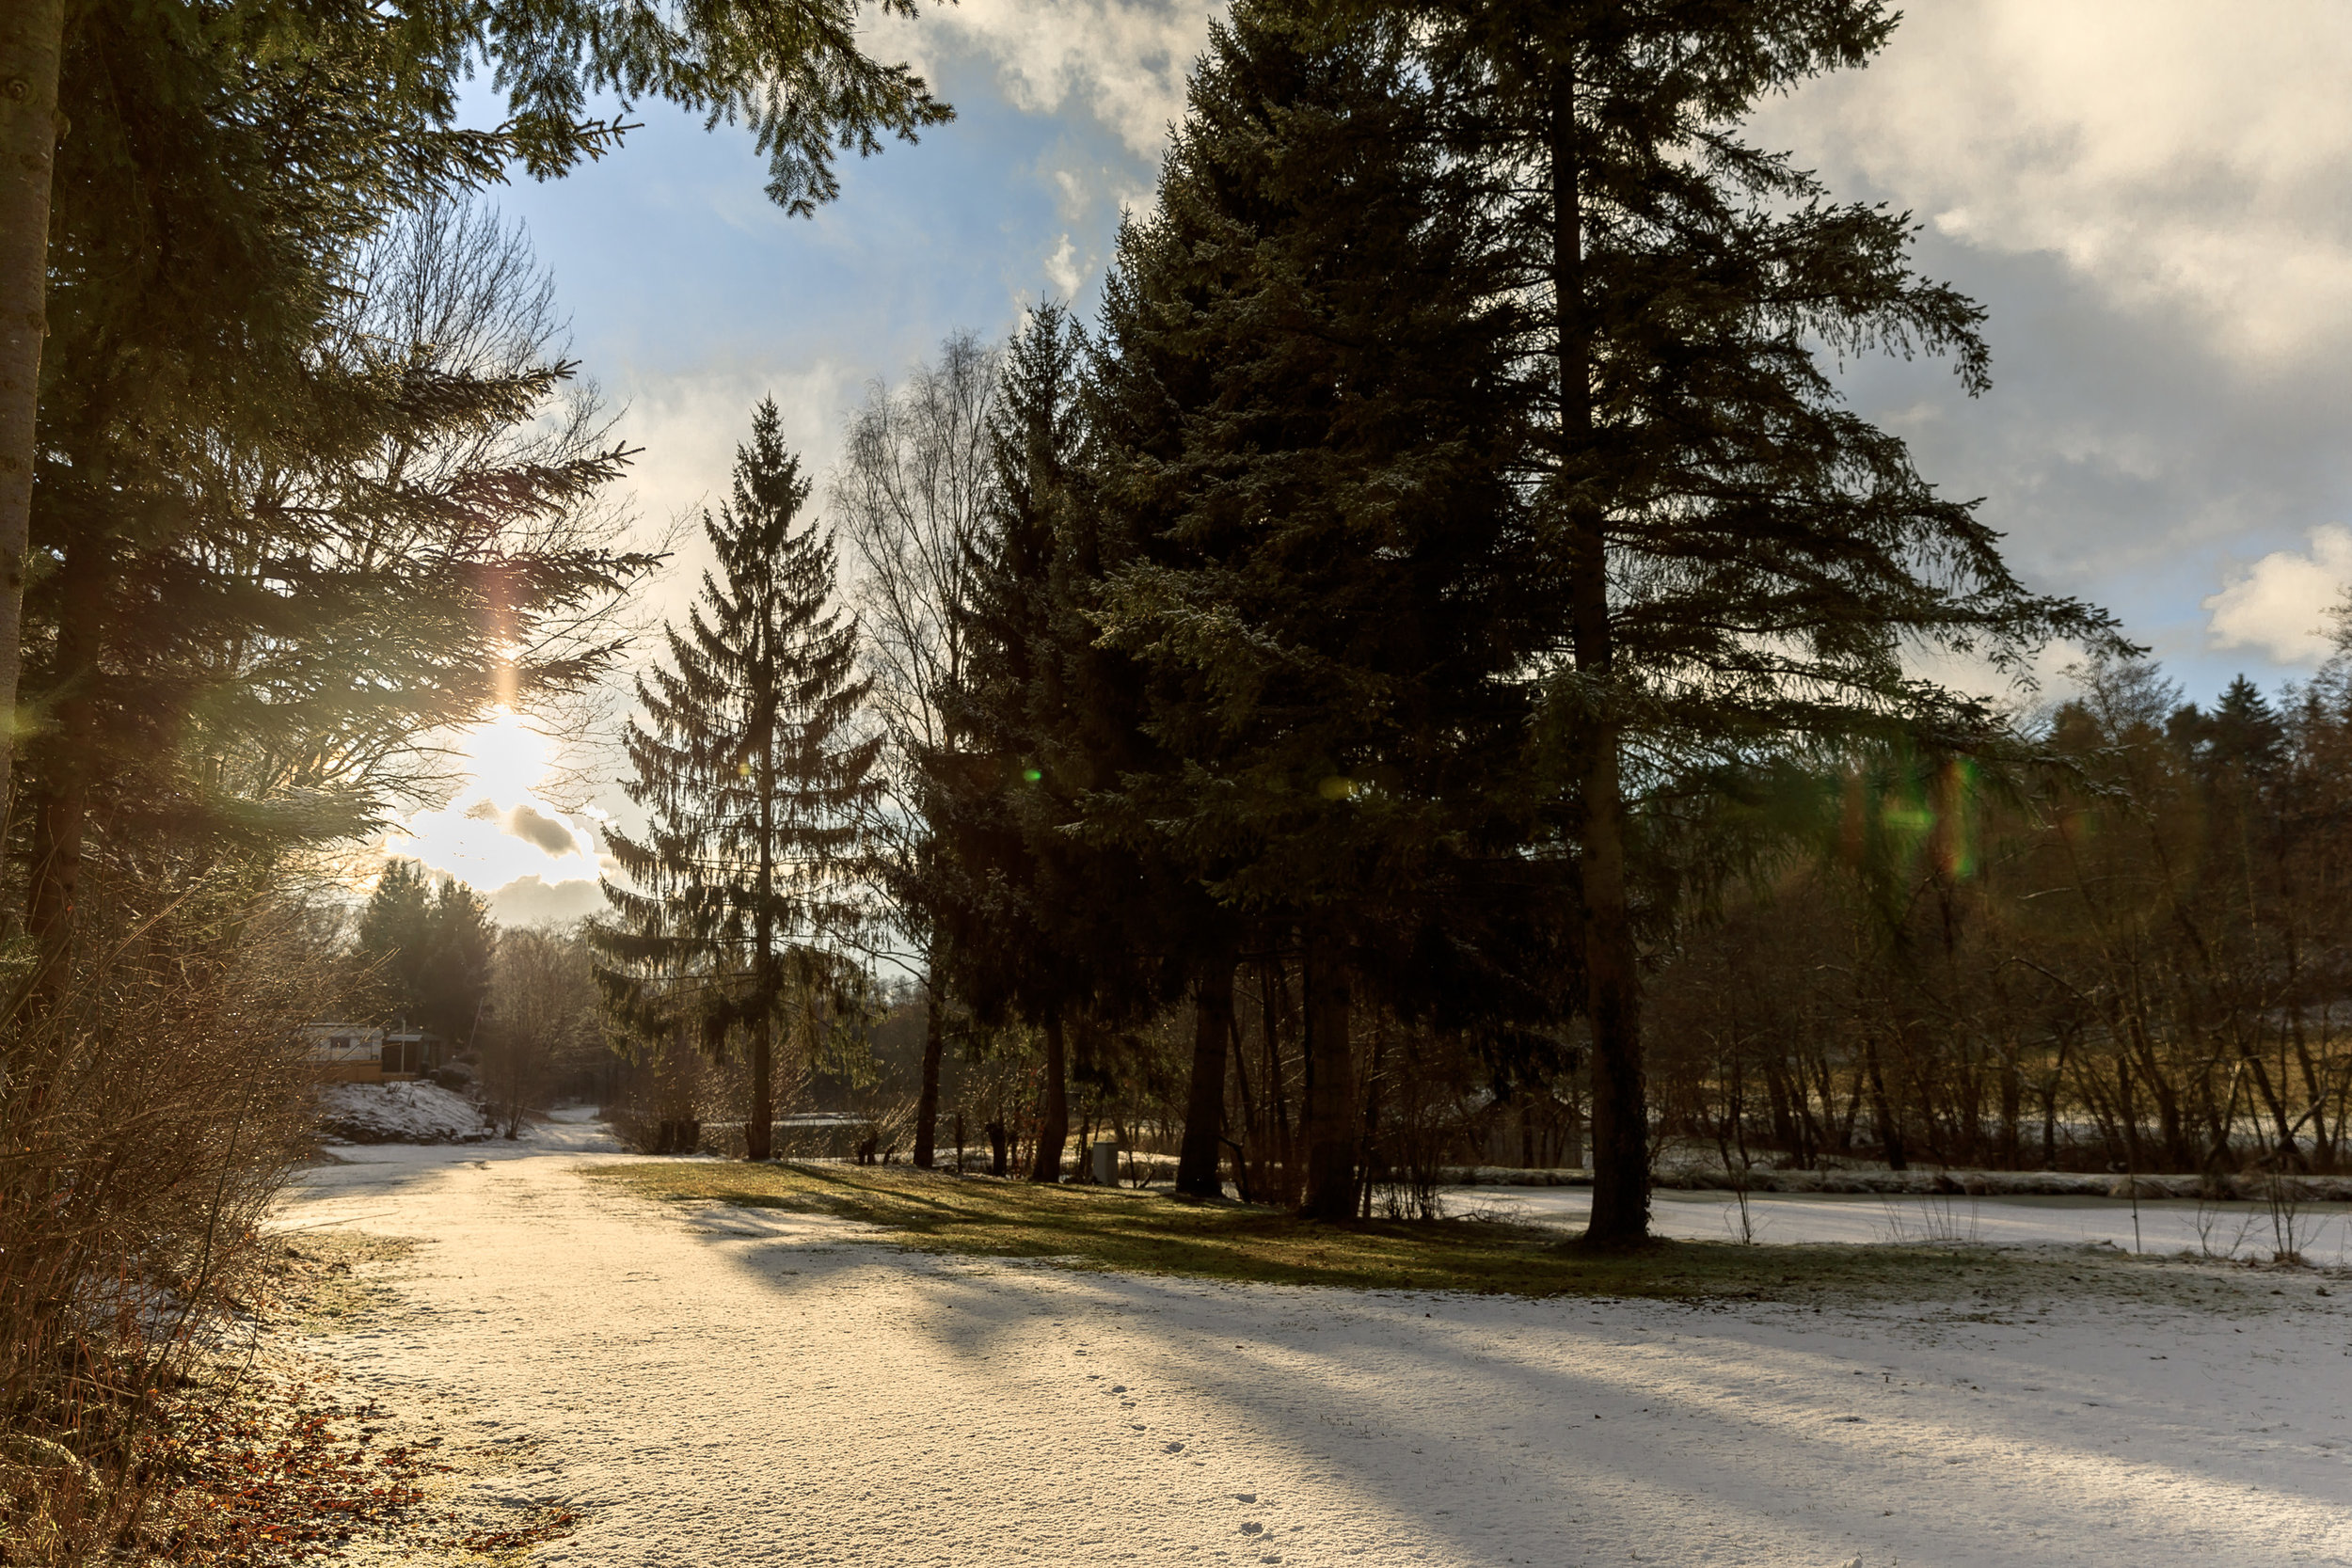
1123,61
2280,604
533,901
2189,158
1061,268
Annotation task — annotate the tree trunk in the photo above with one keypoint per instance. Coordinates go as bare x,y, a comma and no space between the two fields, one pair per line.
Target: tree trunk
1053,1117
1612,981
1331,1108
762,1123
61,814
1205,1111
1891,1141
927,1103
767,985
32,43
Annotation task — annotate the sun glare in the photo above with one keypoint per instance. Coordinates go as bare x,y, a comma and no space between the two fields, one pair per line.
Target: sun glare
497,829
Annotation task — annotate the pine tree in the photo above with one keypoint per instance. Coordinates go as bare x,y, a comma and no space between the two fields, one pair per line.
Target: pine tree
318,541
751,780
381,86
1014,894
1749,565
430,946
1305,418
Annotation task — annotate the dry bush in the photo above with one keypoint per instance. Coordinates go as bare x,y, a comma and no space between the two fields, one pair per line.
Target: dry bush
152,1101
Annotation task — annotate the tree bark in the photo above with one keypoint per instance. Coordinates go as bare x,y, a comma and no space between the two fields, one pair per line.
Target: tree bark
1053,1119
61,812
926,1102
1204,1112
1613,979
32,43
766,987
1332,1109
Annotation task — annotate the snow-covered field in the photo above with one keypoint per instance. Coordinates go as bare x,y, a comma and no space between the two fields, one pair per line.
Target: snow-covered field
2322,1232
728,1387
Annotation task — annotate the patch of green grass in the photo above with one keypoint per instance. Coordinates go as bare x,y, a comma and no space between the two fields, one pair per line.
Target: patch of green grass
1154,1232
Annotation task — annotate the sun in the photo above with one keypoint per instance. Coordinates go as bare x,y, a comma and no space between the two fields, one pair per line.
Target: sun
497,829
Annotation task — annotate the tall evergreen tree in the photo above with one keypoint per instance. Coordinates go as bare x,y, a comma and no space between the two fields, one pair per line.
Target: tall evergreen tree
1019,900
393,75
286,551
1748,564
1306,417
751,780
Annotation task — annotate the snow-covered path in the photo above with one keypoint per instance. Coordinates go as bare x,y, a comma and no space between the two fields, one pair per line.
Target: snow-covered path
731,1386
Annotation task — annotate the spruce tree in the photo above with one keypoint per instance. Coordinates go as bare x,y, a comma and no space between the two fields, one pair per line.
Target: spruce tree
1305,417
428,946
1033,920
391,76
289,544
1748,564
751,780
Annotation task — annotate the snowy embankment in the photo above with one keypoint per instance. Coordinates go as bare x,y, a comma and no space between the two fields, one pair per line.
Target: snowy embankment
417,1113
719,1385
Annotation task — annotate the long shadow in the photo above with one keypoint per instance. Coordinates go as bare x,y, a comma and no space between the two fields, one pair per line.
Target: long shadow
1764,1405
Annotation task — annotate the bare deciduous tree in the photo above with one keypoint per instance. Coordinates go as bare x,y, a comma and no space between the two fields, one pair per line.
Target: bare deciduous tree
911,494
544,1013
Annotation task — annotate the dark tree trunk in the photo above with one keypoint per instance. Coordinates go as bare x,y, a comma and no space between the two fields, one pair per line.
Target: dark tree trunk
1613,982
1331,1108
32,44
1891,1141
61,813
757,1130
1053,1119
927,1103
998,1163
1204,1112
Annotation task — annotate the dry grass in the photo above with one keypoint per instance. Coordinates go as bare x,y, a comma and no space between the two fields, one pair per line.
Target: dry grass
1152,1232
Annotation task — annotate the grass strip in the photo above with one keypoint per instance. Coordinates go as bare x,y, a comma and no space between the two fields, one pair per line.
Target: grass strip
1157,1232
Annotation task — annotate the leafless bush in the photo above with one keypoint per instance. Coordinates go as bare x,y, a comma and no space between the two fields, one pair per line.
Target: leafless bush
151,1104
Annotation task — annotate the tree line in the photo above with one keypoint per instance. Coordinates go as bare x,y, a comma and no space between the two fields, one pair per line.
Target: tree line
2130,958
1398,614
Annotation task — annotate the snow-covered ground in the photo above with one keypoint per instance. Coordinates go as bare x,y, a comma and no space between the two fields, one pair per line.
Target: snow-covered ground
2322,1231
421,1112
729,1386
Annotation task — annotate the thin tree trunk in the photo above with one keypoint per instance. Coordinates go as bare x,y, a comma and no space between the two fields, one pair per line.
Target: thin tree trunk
760,1129
927,1103
1205,1109
1053,1118
32,43
1883,1112
1612,983
61,816
1332,1109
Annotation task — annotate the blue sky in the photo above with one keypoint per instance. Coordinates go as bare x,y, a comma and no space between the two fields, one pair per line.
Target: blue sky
2152,197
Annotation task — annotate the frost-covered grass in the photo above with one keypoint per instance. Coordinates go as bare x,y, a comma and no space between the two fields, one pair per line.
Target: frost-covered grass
1147,1232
